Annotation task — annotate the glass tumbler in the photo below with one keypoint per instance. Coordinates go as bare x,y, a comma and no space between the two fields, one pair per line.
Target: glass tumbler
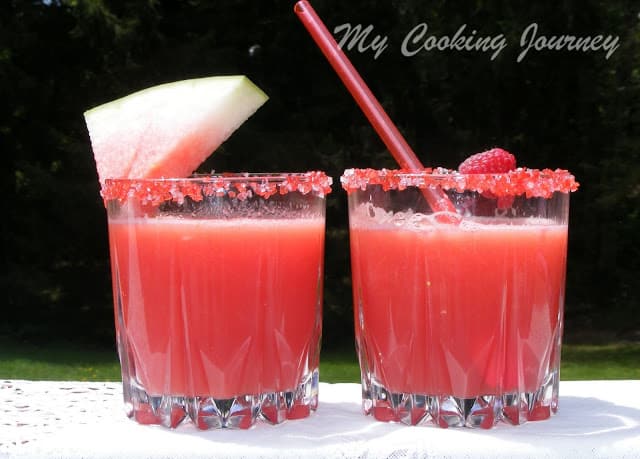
217,285
459,316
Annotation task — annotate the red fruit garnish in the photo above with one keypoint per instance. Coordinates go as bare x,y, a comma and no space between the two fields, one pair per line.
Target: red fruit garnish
492,161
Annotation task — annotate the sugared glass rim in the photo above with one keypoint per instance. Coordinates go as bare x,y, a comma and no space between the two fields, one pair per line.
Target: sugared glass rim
521,181
239,185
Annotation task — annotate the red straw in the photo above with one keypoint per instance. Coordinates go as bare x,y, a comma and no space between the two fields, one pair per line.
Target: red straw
388,132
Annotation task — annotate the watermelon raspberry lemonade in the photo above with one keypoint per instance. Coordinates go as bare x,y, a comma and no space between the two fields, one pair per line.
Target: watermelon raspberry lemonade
458,277
459,320
217,279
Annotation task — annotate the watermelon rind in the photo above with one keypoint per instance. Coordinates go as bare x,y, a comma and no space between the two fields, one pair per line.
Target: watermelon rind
170,129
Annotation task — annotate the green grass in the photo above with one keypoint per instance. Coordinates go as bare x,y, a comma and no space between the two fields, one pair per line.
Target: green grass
607,361
579,362
65,362
57,362
339,366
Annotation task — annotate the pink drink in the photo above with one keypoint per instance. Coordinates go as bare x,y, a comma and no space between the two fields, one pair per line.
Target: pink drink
468,293
206,285
458,323
218,304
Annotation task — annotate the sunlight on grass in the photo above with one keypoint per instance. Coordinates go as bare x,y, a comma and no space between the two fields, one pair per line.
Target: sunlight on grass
339,367
57,363
63,362
608,361
579,362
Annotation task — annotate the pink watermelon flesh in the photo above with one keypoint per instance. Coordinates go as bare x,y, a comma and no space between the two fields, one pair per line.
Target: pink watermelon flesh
169,130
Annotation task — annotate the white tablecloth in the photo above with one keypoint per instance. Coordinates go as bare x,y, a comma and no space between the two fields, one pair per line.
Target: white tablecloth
86,420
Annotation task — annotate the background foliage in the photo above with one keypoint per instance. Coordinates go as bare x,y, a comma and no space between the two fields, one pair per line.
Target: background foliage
576,111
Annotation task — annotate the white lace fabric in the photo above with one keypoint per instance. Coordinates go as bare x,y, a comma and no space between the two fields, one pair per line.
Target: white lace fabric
64,419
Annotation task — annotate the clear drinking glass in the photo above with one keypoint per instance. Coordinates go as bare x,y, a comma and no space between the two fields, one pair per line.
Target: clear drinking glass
459,316
217,284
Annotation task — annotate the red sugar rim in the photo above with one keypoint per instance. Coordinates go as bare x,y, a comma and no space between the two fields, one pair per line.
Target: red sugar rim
521,181
235,185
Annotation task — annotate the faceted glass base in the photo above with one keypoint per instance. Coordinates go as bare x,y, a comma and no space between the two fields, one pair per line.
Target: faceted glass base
483,411
206,412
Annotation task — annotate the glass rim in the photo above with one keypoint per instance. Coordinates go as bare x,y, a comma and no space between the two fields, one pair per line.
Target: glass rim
520,181
241,185
215,176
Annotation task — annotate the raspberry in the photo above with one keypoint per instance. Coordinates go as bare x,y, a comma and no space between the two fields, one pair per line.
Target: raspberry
492,161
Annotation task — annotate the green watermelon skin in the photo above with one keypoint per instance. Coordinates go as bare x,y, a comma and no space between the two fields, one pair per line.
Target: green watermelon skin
170,129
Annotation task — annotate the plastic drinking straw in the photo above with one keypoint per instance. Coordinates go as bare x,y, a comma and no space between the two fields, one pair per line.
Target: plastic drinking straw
388,132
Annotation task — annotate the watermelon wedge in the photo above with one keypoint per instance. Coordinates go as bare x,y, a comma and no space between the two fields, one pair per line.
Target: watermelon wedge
169,130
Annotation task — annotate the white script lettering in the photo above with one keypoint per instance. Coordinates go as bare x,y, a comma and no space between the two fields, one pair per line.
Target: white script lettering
415,42
529,40
359,37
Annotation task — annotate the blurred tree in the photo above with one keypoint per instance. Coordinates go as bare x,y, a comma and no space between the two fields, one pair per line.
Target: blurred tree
554,109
